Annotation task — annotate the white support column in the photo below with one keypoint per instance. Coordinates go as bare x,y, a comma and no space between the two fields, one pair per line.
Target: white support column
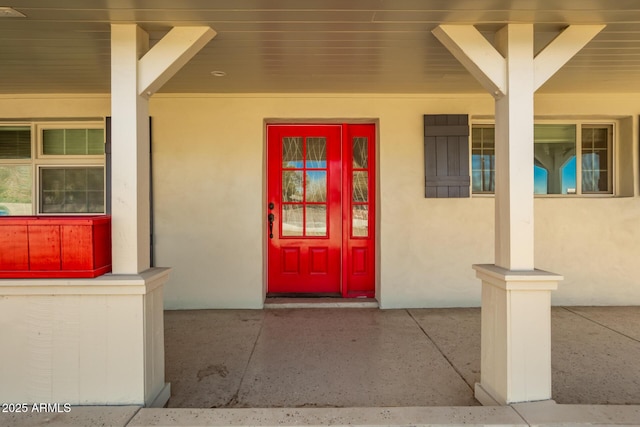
516,299
514,152
135,75
130,153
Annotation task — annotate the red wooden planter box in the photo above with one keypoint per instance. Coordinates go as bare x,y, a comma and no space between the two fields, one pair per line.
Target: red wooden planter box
60,246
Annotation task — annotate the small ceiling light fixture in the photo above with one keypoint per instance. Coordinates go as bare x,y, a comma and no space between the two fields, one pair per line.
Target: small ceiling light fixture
218,73
9,12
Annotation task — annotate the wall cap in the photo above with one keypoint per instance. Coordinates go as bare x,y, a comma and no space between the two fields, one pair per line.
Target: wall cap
528,280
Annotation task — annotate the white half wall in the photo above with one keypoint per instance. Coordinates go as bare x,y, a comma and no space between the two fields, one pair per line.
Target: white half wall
84,341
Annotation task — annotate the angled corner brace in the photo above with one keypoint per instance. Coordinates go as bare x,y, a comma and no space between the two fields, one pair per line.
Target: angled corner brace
560,50
489,67
477,55
170,54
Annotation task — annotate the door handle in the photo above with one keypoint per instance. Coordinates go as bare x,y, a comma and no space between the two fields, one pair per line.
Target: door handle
271,217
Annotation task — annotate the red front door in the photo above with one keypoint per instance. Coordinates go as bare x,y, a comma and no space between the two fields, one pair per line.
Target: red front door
320,209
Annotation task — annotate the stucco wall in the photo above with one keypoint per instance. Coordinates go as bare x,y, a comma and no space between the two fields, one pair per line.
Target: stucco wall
209,200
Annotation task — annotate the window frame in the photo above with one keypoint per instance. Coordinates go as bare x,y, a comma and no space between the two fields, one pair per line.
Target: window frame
484,125
40,160
43,126
24,162
580,124
611,157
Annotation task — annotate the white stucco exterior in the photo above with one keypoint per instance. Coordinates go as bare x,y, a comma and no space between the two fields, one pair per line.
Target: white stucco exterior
209,210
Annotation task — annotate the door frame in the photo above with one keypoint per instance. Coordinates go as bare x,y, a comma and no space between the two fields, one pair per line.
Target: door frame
375,224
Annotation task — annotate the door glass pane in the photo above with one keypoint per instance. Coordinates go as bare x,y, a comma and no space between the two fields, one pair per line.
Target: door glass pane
360,221
316,186
292,220
15,190
316,153
360,186
360,153
291,186
554,159
316,224
292,152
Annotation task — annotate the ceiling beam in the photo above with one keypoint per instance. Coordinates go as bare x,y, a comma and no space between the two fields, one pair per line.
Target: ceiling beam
560,50
170,54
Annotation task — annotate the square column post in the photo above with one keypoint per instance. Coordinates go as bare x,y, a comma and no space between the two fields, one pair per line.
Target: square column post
514,151
130,153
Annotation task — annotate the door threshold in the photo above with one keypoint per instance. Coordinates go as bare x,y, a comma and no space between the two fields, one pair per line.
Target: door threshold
279,302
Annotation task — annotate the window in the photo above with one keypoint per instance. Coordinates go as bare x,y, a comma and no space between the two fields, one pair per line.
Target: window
72,189
70,142
557,148
15,170
596,159
52,168
483,159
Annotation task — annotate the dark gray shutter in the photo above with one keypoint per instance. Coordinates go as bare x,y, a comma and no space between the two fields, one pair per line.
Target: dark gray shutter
107,164
446,155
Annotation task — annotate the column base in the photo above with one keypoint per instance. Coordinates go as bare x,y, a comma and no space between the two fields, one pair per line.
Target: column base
161,399
516,335
486,398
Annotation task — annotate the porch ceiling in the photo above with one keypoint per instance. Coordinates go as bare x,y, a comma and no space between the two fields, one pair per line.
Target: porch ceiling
306,46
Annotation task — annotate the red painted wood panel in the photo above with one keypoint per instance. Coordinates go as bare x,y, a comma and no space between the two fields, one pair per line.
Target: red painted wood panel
290,260
359,261
318,261
102,245
49,247
14,244
44,247
76,246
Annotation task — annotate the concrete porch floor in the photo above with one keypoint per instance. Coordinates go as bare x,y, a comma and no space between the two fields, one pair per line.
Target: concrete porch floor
365,366
336,357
